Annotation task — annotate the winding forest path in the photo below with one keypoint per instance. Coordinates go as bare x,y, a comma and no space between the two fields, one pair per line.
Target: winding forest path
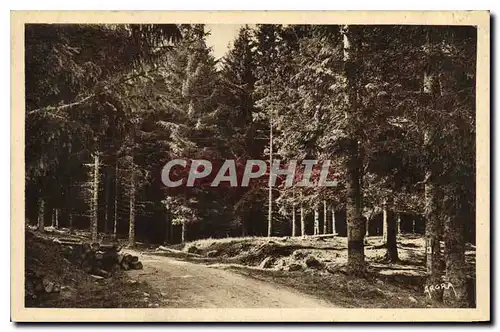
189,285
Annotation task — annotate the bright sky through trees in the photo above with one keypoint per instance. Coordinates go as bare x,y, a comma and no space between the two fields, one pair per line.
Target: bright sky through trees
221,37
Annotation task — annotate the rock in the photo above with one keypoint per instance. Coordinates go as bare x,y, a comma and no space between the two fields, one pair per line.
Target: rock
212,253
266,263
313,263
49,287
294,267
336,268
136,265
156,305
299,254
373,293
379,292
412,299
145,294
132,282
193,250
380,282
281,264
96,277
57,288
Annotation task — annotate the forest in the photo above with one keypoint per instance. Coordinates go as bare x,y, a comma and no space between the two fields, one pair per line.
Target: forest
392,107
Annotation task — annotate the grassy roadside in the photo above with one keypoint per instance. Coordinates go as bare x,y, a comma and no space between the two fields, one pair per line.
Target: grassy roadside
78,289
316,266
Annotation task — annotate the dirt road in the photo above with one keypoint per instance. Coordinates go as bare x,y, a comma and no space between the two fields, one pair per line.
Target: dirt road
188,285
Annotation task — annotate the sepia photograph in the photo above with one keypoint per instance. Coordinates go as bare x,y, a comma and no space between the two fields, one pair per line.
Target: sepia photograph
251,162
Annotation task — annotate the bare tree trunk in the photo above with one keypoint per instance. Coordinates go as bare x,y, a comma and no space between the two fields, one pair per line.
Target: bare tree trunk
302,221
454,233
384,222
167,227
171,235
294,220
390,231
183,232
243,227
95,199
398,223
334,230
41,216
355,221
131,225
432,236
270,199
115,218
56,217
432,194
52,219
316,220
70,221
325,219
106,200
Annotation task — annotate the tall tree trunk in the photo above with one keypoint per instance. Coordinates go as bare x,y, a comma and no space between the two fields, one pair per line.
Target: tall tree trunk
302,221
390,231
355,221
316,220
334,230
433,227
294,220
41,215
69,204
56,217
243,227
270,189
52,218
325,219
432,236
131,225
398,223
171,235
183,232
384,223
454,239
95,199
115,217
106,200
167,227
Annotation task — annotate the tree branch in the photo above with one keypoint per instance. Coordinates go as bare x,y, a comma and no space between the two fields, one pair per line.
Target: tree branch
62,107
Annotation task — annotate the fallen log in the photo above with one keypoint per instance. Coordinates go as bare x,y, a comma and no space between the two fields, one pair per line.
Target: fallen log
136,265
97,258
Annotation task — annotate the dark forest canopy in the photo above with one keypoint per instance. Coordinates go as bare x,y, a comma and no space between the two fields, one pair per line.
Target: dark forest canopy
392,107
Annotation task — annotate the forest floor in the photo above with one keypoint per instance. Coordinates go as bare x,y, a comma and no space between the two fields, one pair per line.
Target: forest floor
280,272
317,266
